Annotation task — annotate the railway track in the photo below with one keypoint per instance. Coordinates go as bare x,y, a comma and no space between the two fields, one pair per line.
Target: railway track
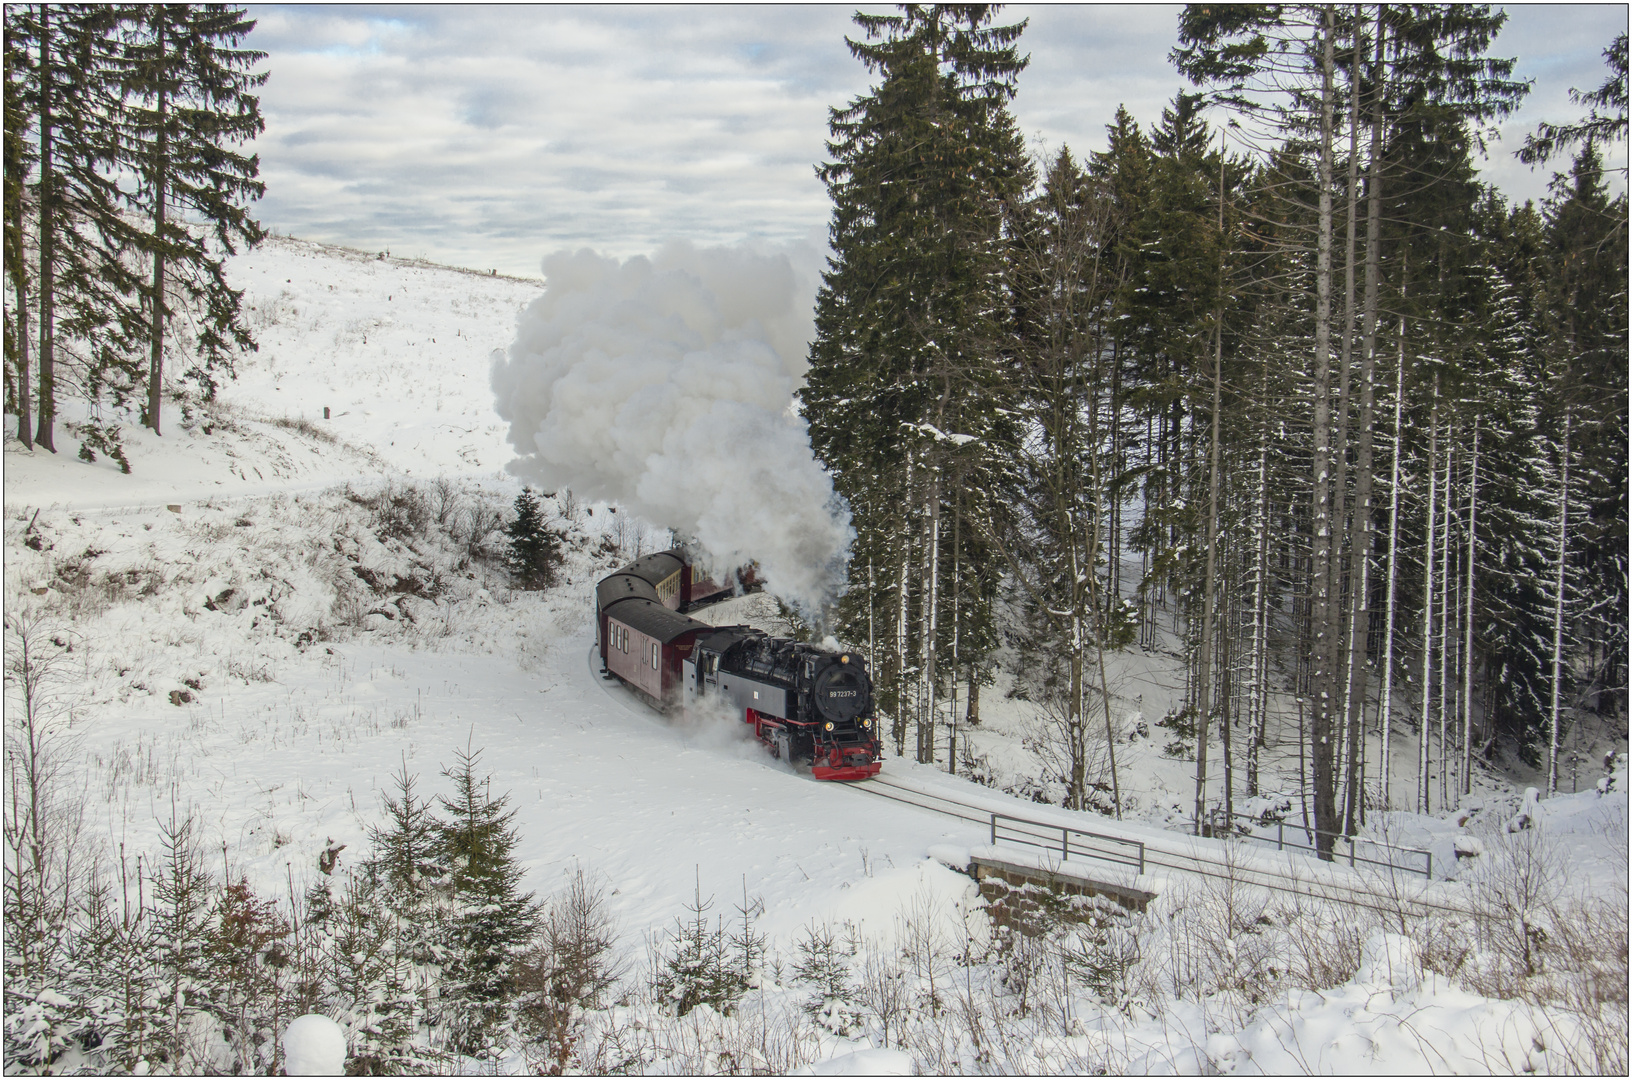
1208,859
1384,892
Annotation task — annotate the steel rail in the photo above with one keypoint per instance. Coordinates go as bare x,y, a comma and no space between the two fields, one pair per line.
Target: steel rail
871,786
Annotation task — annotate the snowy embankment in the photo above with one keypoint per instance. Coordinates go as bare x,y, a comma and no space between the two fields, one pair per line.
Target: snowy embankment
275,612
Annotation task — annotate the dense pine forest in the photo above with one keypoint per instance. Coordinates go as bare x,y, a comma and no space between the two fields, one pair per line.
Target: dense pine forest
1280,374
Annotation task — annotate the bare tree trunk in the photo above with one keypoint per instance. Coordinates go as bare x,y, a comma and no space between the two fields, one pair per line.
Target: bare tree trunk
926,717
1386,688
1446,613
1361,541
1342,654
957,589
1099,642
1467,646
1424,793
155,368
972,717
1204,680
901,626
1258,698
44,434
25,415
1323,626
872,653
1558,609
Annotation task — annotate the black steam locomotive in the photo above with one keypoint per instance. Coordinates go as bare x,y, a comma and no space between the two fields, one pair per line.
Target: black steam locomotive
808,705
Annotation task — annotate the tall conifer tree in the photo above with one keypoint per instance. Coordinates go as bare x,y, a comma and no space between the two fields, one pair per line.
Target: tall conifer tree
192,102
64,62
901,393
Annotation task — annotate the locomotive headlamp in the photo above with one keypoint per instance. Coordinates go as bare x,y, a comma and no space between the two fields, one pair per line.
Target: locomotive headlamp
866,723
828,725
844,659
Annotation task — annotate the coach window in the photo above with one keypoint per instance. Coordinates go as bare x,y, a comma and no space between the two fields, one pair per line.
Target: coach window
655,648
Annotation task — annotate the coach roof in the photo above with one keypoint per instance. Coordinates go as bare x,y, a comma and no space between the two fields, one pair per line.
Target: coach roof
653,619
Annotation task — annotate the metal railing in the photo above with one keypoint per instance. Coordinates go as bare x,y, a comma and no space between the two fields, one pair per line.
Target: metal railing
1068,841
1306,838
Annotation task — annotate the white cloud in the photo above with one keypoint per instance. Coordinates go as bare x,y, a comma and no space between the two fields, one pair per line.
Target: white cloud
487,135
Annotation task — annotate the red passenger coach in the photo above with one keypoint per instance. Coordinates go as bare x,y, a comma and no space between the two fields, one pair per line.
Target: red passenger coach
643,644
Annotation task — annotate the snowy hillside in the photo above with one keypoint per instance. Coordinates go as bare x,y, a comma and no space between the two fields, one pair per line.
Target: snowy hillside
276,611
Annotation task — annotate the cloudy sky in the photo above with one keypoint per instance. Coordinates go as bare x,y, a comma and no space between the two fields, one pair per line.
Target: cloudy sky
486,136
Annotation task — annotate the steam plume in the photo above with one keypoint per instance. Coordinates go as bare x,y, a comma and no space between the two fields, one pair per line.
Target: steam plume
665,385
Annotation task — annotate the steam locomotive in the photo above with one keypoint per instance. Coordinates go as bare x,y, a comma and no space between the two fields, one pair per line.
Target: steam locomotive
808,705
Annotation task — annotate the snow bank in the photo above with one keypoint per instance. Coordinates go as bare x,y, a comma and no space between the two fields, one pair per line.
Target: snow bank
314,1045
666,385
862,1063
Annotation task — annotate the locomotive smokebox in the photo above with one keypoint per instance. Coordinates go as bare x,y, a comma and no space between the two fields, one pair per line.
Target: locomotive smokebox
842,692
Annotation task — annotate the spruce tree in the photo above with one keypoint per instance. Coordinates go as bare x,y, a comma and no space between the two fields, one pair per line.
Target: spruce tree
191,104
65,64
401,874
903,396
1605,122
244,950
696,965
535,548
403,854
183,893
492,921
19,163
364,958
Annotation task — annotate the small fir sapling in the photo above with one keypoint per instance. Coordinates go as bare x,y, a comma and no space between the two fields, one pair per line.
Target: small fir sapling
402,876
492,920
748,944
245,955
535,548
95,437
403,854
183,892
361,965
696,965
822,962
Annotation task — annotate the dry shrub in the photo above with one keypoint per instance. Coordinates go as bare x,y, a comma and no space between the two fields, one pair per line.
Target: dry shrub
568,971
305,427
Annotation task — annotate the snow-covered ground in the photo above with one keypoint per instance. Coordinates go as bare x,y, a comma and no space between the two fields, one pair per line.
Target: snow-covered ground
276,611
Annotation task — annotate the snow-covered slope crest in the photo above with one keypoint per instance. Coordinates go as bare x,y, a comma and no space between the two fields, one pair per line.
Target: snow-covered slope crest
366,366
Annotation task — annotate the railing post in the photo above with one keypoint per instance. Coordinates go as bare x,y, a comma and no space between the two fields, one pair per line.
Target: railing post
1065,844
1430,871
1141,858
994,830
1350,839
1280,836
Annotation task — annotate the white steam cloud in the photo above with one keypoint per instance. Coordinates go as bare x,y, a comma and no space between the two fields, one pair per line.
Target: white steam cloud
665,385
